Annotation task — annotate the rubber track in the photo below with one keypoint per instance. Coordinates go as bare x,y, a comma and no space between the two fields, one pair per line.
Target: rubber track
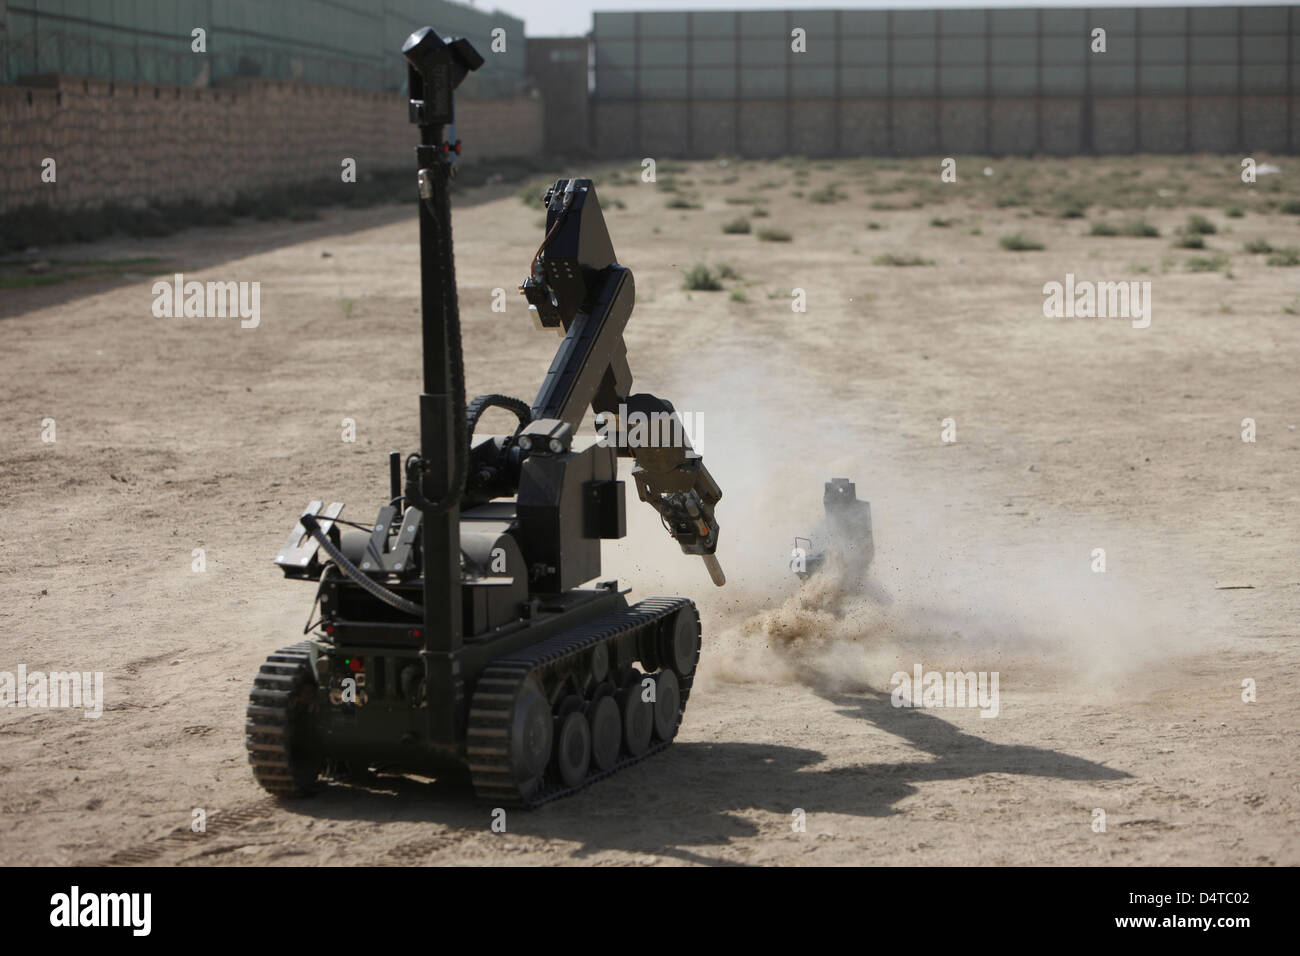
491,713
268,718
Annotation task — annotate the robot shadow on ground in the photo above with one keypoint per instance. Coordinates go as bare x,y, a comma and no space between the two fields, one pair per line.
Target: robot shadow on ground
698,795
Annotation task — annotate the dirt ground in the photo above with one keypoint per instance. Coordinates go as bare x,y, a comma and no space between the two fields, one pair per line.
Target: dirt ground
1120,692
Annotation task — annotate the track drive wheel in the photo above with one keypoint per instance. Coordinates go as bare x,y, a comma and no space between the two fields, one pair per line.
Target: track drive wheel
280,709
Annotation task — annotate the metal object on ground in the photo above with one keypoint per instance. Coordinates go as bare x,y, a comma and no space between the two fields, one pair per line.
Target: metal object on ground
846,532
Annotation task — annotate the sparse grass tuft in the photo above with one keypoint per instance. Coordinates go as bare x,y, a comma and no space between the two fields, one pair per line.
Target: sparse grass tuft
939,223
1258,247
1234,212
700,278
1215,263
773,235
681,202
1019,242
736,226
1290,256
1070,205
827,195
1188,241
1140,229
532,193
904,259
1198,225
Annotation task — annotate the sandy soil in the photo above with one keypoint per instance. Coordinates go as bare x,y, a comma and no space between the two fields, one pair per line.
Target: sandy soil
1119,691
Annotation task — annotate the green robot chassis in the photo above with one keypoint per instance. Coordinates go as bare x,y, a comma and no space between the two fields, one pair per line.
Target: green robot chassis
459,630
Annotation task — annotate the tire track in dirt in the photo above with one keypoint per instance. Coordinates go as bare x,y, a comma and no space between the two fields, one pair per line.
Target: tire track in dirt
183,839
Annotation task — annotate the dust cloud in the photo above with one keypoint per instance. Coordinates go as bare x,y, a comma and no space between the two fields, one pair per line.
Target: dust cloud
956,584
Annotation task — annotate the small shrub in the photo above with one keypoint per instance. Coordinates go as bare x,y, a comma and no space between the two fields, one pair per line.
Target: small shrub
1289,256
1019,242
905,259
1258,247
700,278
1215,263
736,226
826,195
1140,229
1102,228
531,195
1234,212
1070,206
738,295
681,202
1190,242
939,223
727,272
773,235
1198,225
1291,207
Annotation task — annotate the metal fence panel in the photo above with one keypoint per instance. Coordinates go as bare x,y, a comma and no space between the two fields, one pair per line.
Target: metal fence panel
966,53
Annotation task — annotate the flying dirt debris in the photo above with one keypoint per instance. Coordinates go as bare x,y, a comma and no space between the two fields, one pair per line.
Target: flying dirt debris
845,533
454,631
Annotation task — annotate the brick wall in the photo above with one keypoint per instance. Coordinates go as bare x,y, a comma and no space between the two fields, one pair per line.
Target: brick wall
135,143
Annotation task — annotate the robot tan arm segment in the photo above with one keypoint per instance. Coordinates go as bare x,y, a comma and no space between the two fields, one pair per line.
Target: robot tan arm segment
575,284
670,475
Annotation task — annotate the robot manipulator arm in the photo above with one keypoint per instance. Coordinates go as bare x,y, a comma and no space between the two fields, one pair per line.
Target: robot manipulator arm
578,288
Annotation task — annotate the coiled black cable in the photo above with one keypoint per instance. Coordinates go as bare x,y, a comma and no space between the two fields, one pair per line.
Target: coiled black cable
366,583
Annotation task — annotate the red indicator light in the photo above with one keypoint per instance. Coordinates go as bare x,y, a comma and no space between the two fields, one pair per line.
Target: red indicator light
415,633
356,664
